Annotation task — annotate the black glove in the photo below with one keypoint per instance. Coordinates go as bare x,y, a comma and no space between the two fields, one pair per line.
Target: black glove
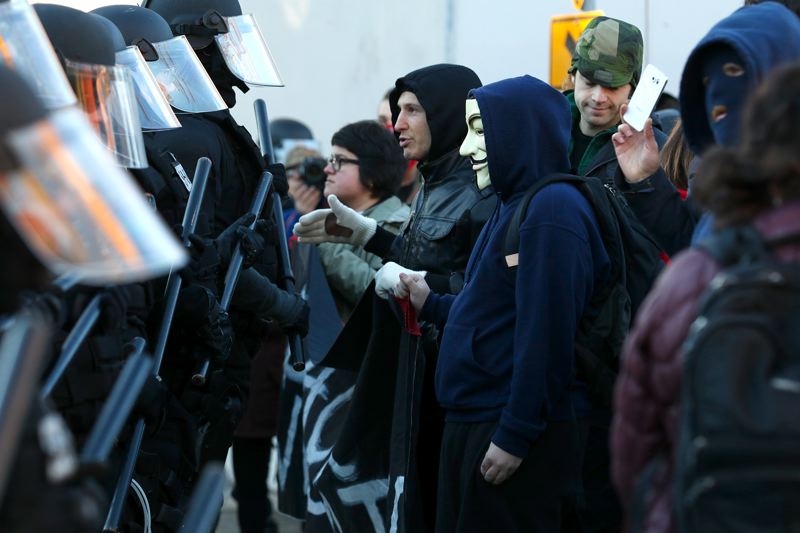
279,182
207,324
227,240
204,260
152,401
215,338
302,319
254,242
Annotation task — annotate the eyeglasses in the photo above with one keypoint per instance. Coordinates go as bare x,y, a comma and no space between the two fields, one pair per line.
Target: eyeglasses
335,161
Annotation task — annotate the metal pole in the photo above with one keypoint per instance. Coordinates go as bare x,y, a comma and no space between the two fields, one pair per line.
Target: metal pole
83,326
234,269
265,141
118,406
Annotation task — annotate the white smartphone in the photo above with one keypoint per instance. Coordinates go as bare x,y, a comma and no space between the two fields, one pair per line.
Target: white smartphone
645,97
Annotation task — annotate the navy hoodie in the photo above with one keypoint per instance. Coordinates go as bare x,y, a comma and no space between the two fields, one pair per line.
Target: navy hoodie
764,36
507,351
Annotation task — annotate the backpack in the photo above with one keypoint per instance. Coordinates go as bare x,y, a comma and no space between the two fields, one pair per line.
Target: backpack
738,450
636,261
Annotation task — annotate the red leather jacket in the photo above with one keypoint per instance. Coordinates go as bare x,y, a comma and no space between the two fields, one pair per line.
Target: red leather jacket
647,400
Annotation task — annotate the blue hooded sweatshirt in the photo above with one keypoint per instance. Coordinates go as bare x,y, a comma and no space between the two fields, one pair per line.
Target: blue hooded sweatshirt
763,36
507,351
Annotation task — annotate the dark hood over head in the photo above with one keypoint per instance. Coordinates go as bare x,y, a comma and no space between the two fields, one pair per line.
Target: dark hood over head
526,126
763,36
441,90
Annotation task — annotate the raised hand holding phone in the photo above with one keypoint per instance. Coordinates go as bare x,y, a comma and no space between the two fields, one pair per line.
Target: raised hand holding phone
644,99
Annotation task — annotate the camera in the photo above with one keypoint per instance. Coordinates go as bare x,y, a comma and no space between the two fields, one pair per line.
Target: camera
312,172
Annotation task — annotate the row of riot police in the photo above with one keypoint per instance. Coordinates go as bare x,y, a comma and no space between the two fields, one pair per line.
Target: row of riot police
143,265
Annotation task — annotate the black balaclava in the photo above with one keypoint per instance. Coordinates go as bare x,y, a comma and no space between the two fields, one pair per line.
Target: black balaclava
441,91
224,80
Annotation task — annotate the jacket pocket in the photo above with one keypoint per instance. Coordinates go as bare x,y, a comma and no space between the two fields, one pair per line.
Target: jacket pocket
487,362
435,228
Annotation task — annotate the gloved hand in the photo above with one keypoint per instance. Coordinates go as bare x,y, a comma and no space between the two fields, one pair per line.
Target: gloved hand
279,182
204,260
253,242
215,337
337,224
302,318
387,280
199,313
226,241
152,400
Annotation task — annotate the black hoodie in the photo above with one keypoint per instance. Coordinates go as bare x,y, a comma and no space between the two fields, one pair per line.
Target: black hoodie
441,91
449,211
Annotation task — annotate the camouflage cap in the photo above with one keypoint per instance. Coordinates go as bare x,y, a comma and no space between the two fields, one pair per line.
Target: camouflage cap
609,52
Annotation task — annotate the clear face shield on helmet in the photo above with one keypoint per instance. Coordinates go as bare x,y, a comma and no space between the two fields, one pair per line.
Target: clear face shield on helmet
155,112
246,52
76,209
182,78
24,46
107,96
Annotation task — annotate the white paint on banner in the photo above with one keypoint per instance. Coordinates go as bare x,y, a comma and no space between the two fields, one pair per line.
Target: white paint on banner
367,494
399,486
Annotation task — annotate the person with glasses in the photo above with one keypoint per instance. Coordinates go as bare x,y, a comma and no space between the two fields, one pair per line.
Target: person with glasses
364,172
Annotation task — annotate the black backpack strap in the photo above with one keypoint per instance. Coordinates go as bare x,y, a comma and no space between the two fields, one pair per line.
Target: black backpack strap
511,242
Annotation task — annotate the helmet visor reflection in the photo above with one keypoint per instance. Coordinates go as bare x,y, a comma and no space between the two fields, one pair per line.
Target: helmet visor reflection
106,95
246,53
24,46
182,78
154,110
78,211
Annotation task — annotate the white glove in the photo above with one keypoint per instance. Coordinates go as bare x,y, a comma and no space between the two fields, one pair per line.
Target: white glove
337,224
387,280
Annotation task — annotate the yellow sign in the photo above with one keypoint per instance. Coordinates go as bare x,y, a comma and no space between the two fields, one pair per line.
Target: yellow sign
564,33
578,4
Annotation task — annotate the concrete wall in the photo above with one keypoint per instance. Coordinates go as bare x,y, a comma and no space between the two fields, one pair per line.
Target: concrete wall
338,56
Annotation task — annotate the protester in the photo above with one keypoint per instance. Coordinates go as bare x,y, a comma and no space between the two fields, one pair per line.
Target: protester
755,185
449,213
605,70
364,171
724,67
505,374
411,180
